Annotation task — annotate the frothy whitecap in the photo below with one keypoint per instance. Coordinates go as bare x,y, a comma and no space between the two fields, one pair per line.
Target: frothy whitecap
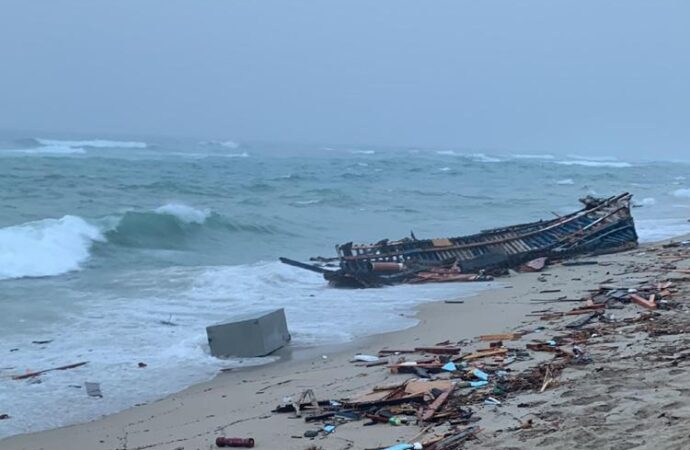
95,143
185,213
46,247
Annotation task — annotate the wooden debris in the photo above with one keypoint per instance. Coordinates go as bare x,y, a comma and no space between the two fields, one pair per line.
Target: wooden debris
40,372
645,303
500,337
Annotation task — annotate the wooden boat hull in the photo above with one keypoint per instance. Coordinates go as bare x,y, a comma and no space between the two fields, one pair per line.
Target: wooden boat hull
604,225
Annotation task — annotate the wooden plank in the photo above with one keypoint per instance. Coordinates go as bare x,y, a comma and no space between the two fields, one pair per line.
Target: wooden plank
641,301
493,352
34,374
429,412
500,337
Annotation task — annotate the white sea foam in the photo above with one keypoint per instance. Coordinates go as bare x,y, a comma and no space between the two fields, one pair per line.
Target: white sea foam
177,356
681,193
48,150
445,169
234,155
185,213
306,202
478,157
533,156
230,144
593,158
648,201
565,181
659,229
481,157
96,143
46,247
362,152
590,163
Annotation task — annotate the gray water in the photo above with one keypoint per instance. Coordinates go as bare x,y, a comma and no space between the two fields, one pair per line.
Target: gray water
102,241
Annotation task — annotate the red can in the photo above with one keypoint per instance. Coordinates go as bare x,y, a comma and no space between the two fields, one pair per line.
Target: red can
234,442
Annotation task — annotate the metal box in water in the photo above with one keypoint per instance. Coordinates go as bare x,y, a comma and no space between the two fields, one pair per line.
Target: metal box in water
246,335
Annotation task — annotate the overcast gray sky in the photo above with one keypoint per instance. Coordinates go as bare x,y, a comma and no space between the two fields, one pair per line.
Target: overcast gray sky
543,76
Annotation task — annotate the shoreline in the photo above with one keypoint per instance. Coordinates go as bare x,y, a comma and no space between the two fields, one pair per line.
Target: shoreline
238,403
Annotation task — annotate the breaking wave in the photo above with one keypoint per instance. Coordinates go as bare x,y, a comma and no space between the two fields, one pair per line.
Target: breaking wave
565,181
362,152
590,163
533,156
46,247
48,150
184,212
477,157
172,225
51,247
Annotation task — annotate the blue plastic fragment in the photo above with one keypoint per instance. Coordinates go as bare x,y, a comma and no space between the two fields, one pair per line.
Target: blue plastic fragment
478,383
450,367
329,428
480,374
400,447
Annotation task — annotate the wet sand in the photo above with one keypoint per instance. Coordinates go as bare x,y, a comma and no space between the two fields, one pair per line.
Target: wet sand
633,393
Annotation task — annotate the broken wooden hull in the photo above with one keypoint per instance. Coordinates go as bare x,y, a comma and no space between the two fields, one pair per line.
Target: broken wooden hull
604,225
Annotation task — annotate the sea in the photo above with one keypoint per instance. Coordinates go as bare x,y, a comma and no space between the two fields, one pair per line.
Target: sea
120,252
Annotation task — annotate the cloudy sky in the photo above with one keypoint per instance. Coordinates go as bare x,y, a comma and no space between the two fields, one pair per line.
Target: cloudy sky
591,77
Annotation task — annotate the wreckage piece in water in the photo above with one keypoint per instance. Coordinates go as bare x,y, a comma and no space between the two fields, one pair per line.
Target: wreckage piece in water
604,225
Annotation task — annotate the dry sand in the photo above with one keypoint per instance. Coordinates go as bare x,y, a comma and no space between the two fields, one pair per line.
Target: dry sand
634,394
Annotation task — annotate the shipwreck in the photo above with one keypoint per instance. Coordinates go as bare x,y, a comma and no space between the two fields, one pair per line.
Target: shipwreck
603,225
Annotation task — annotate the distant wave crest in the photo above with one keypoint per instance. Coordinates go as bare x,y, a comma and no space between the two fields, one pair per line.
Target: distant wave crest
565,181
532,156
590,163
477,157
95,143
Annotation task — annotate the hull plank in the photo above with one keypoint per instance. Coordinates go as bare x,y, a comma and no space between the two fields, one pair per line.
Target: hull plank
602,226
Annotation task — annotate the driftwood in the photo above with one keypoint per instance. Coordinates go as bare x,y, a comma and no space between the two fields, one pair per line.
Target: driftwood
40,372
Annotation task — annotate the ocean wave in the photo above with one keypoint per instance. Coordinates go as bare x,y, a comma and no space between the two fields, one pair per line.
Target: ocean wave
591,163
593,158
234,155
660,229
51,247
362,152
681,193
95,143
647,201
184,212
48,150
227,144
477,157
301,203
46,247
172,225
533,156
565,181
482,157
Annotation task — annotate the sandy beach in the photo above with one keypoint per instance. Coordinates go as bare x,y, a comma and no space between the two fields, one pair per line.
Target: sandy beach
630,390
